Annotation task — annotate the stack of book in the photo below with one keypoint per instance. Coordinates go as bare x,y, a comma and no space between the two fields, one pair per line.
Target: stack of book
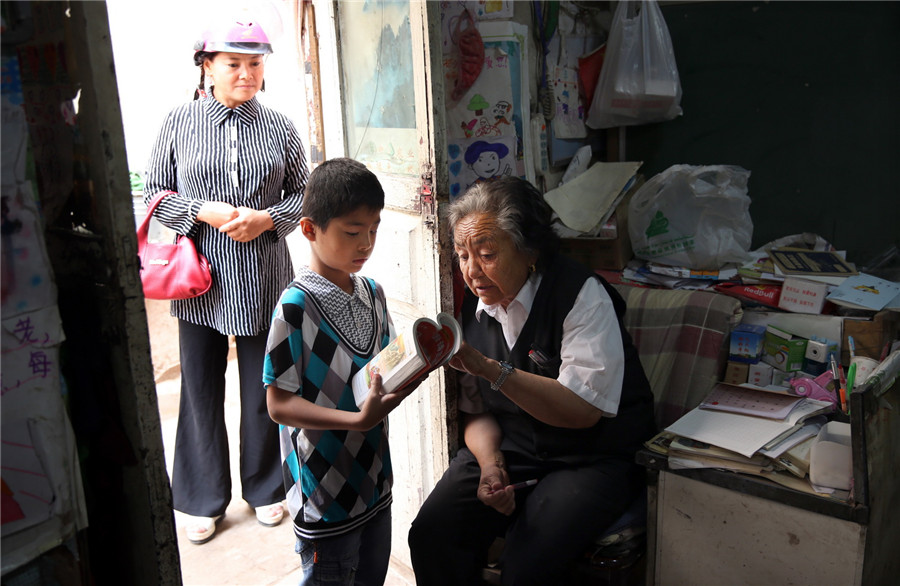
749,430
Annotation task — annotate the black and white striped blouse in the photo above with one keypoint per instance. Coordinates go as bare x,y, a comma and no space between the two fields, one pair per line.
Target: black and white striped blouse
247,156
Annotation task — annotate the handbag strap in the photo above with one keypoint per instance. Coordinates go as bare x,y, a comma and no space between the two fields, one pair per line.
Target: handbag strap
144,228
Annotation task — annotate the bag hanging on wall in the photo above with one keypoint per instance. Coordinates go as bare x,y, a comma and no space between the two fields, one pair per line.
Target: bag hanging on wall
639,82
568,119
171,271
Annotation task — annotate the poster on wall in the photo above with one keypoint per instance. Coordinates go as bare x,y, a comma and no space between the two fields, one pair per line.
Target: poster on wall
488,129
380,109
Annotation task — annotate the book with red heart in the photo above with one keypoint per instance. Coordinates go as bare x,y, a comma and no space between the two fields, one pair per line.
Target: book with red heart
427,345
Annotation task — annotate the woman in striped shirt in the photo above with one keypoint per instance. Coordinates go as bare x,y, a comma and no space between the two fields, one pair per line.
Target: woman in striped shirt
237,170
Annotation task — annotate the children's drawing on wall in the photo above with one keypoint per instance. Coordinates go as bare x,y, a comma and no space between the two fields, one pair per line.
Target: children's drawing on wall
487,119
480,161
27,495
568,119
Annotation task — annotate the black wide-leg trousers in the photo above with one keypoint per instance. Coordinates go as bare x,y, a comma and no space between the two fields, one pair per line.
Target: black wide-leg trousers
201,475
554,523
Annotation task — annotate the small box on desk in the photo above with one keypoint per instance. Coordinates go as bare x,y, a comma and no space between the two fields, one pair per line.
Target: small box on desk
760,374
746,343
736,373
783,350
802,296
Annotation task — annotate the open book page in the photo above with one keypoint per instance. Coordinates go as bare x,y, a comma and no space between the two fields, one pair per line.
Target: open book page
427,345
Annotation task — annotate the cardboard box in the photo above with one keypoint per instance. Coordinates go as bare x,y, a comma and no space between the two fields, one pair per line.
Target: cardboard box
802,296
870,336
783,350
606,253
760,374
746,343
736,373
600,253
781,378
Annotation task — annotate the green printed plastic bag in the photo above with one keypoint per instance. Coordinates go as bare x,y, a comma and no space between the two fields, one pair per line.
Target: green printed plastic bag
693,216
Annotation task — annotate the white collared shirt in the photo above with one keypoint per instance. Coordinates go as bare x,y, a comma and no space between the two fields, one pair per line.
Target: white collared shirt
591,350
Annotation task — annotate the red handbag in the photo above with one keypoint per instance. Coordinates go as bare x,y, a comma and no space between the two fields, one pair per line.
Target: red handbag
171,271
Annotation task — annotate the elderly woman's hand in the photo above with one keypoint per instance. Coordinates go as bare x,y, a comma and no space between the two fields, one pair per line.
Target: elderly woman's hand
493,491
469,360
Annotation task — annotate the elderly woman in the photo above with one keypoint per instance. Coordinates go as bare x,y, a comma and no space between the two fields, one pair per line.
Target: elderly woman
552,390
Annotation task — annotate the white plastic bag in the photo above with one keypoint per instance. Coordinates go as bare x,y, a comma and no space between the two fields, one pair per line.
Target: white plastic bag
694,217
639,81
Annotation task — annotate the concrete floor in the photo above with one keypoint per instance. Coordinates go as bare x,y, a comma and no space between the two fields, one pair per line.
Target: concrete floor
242,552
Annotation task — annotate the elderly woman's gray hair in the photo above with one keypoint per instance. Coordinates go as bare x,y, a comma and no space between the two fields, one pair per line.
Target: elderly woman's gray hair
520,211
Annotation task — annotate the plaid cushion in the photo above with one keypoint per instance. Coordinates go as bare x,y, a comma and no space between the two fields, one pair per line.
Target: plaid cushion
682,337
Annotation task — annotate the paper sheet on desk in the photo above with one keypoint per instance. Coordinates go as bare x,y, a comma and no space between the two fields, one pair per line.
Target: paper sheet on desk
743,434
590,198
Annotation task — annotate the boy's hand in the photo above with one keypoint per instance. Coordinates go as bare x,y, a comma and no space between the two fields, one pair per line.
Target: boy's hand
378,404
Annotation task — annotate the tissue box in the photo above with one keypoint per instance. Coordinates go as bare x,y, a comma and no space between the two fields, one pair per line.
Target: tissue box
783,350
746,343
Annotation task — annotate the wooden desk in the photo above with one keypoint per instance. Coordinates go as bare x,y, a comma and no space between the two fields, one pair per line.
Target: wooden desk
718,527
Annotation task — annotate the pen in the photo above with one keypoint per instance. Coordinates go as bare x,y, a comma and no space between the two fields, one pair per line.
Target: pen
852,345
836,381
851,377
518,485
843,388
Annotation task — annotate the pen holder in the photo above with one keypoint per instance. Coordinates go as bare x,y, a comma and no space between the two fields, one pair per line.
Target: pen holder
864,367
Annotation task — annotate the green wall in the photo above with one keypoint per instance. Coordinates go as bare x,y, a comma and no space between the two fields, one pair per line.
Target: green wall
806,96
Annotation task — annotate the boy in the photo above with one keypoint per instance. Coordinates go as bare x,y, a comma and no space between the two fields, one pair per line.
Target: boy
327,325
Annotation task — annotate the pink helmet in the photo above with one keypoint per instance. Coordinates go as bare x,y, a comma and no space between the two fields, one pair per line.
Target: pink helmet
235,37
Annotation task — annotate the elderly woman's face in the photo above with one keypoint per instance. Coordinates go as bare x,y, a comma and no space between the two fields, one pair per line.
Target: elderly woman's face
492,266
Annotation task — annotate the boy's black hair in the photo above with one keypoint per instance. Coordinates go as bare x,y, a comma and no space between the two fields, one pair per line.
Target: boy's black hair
339,186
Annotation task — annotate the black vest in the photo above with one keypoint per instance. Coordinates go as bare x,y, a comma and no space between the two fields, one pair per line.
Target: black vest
621,435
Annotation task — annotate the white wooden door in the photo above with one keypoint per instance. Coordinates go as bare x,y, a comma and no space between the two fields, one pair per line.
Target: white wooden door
377,107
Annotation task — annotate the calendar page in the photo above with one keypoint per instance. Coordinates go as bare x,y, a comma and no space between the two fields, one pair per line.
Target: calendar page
750,401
